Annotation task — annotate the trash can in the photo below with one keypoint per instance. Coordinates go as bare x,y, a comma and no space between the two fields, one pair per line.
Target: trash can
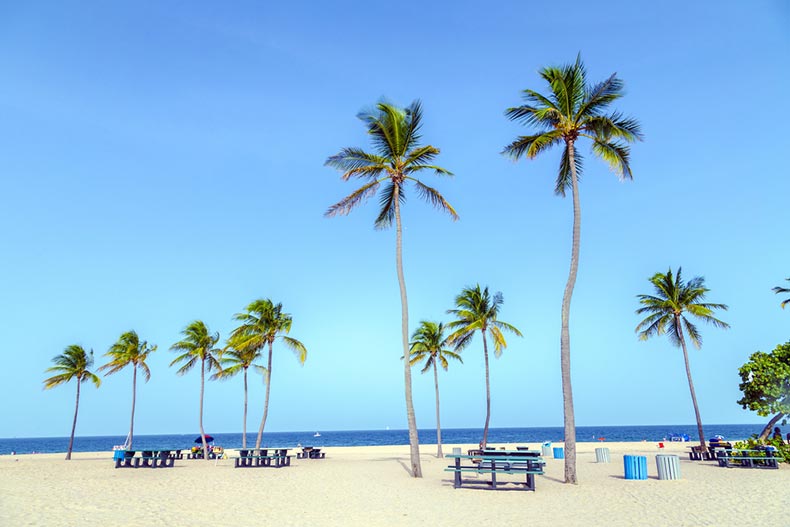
559,452
117,454
668,466
602,455
457,451
635,467
545,449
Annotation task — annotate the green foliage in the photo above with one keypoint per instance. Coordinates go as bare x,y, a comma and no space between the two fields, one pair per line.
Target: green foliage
197,346
399,156
571,110
477,310
665,309
264,322
129,349
73,363
765,382
755,443
428,344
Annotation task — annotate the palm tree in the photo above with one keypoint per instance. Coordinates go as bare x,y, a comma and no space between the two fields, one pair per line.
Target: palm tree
237,358
398,158
198,346
666,314
262,324
477,310
779,290
571,111
73,363
428,344
129,349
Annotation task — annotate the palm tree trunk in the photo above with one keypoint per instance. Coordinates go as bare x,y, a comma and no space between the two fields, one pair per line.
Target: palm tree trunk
202,384
565,337
266,400
134,400
767,430
691,383
438,425
244,424
488,392
414,442
74,424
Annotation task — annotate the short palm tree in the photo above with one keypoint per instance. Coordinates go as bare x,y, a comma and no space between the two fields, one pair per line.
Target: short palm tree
238,358
398,159
571,111
666,313
73,363
781,290
129,350
428,344
197,346
262,324
476,310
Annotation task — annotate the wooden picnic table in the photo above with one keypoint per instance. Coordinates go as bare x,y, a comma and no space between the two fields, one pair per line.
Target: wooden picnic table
146,459
260,457
747,458
497,462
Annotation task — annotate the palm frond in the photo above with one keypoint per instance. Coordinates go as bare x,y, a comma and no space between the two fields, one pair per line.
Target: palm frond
600,96
564,175
347,204
355,162
532,145
616,155
387,206
432,196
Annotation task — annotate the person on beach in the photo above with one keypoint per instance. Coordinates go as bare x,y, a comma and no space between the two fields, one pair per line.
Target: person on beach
777,433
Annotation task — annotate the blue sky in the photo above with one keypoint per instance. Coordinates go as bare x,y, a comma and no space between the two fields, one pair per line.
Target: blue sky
163,162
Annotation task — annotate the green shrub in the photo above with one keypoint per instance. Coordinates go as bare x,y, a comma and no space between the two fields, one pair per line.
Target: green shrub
753,443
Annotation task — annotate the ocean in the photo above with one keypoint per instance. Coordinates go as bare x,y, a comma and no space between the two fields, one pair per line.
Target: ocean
378,437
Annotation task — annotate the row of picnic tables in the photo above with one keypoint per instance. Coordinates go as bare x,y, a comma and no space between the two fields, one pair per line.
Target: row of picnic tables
727,456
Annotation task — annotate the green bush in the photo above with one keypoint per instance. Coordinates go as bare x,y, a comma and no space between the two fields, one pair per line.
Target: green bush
753,443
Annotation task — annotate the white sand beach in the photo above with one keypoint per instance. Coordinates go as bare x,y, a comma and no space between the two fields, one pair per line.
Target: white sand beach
371,486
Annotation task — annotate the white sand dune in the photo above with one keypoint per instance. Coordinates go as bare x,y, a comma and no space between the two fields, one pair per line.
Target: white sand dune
371,486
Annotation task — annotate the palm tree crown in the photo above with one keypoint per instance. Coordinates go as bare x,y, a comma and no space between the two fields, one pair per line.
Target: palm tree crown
129,349
477,310
398,158
196,346
73,363
780,290
264,322
428,344
666,308
572,110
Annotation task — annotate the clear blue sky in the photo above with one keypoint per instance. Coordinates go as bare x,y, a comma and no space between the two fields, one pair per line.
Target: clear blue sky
163,161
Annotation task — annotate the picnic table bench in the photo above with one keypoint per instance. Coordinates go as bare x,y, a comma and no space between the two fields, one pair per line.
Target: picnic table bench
261,458
147,459
497,462
747,458
309,452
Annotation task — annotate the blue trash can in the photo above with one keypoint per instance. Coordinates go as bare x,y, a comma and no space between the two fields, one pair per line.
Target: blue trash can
635,467
117,454
559,452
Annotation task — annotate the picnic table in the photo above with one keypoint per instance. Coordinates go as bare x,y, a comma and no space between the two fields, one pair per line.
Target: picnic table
495,462
309,452
146,459
261,457
764,458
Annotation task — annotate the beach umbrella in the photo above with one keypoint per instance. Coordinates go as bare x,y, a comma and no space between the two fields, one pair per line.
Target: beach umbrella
209,439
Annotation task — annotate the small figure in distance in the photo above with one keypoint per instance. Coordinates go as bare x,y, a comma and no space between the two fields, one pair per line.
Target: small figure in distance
777,433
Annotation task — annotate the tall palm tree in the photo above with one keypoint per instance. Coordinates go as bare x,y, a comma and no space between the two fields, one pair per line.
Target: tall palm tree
666,310
477,310
238,358
428,344
73,363
571,111
397,159
198,346
262,324
129,350
779,290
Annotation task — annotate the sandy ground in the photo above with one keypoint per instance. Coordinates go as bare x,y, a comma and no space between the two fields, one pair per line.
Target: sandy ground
371,486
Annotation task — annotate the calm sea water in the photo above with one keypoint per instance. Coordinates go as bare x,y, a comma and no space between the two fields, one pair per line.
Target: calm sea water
378,437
